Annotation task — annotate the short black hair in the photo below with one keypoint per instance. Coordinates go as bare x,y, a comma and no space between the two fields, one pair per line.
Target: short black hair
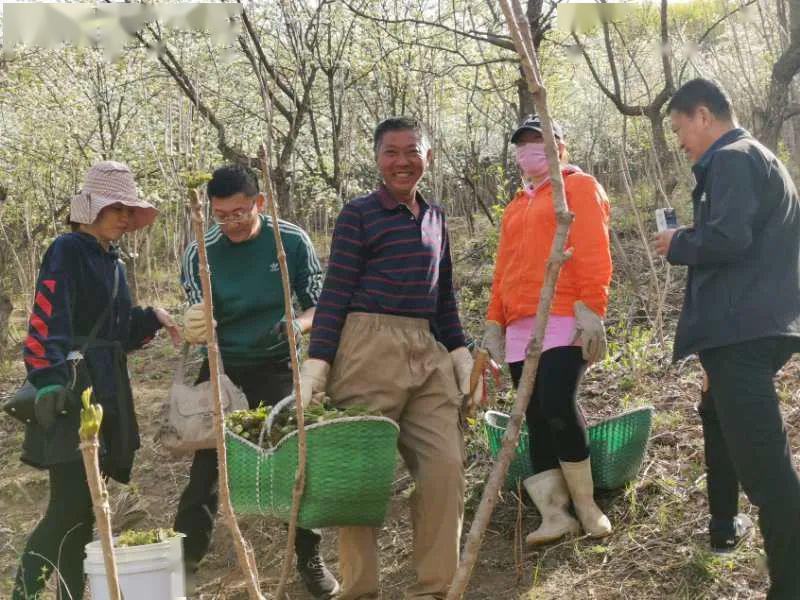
398,124
702,92
233,179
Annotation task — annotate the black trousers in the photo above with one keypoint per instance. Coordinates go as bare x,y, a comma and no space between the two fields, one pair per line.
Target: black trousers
746,442
57,542
555,421
268,383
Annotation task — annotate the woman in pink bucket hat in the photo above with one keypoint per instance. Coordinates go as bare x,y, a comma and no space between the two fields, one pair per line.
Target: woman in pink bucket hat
81,327
110,185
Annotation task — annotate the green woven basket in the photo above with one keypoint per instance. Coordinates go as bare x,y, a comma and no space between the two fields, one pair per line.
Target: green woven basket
350,466
617,447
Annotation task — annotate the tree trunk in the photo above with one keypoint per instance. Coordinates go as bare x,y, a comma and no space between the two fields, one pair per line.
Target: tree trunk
525,97
777,109
130,276
282,182
665,167
5,316
533,12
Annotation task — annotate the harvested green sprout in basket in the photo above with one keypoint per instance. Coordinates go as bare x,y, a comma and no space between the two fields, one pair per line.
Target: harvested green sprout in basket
248,423
133,537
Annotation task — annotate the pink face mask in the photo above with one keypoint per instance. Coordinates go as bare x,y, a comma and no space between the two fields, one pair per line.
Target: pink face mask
532,160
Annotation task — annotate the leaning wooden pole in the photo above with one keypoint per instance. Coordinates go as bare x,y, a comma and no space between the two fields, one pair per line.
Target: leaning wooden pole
91,420
244,552
300,475
521,34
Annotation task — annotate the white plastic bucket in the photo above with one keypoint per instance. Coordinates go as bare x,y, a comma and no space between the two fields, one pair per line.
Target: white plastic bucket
151,572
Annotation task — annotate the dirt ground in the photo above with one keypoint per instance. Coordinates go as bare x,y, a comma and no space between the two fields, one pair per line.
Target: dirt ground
658,548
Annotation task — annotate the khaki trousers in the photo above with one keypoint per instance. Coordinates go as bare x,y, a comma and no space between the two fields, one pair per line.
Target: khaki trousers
395,365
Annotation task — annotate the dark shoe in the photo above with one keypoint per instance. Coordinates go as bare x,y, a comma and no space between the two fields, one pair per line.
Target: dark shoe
319,581
727,535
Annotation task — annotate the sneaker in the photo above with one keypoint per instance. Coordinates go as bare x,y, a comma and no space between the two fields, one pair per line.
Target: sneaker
319,581
726,537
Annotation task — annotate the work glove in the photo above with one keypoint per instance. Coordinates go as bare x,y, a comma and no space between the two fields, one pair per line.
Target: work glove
280,329
463,364
194,325
591,332
313,380
479,396
494,340
51,402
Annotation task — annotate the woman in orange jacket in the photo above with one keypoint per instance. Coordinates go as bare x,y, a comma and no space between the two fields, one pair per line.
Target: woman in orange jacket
574,337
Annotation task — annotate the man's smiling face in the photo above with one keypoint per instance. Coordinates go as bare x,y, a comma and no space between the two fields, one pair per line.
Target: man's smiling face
402,159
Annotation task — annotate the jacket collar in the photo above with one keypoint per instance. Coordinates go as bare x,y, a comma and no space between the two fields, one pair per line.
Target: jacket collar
568,169
726,138
92,245
389,202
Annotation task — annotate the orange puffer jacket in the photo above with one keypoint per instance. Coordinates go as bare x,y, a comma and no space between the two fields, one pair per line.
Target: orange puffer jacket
529,225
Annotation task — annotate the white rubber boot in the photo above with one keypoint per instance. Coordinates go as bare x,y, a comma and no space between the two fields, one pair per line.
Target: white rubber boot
578,476
549,493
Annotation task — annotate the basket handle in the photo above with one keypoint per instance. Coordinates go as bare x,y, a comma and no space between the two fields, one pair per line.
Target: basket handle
266,428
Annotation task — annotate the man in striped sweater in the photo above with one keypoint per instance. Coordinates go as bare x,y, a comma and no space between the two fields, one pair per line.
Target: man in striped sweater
252,336
387,334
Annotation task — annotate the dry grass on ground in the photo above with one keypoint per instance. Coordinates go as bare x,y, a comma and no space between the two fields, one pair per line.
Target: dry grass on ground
659,546
658,549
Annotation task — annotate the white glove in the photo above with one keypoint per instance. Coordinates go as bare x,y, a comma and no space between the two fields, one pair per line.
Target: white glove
313,380
462,365
591,332
494,340
194,325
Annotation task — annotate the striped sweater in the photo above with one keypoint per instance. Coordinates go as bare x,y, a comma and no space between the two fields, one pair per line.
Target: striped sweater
384,260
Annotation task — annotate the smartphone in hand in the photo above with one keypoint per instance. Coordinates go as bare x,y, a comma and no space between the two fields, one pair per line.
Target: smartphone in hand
666,219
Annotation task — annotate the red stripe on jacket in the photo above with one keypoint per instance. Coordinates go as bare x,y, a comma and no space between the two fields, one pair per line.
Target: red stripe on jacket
37,363
32,344
40,326
44,304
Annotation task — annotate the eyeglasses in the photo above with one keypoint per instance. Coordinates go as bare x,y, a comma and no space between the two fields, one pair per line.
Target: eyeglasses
235,216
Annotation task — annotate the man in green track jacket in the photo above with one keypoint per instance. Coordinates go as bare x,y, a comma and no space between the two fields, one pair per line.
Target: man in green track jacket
252,336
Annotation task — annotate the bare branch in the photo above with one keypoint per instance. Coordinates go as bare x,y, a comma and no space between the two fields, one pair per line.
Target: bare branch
625,109
481,36
713,26
178,74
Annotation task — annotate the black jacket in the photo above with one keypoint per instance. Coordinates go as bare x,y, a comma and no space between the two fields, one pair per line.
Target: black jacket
73,290
743,251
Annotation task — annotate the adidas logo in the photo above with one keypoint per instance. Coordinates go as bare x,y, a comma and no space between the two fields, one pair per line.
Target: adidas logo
274,267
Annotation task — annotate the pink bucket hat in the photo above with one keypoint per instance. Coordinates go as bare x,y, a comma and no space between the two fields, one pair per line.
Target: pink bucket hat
106,183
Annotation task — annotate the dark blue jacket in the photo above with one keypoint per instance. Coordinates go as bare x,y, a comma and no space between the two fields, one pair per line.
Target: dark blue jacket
743,250
73,291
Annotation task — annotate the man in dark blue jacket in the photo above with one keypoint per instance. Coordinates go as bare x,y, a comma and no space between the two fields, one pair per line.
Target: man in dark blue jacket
741,314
